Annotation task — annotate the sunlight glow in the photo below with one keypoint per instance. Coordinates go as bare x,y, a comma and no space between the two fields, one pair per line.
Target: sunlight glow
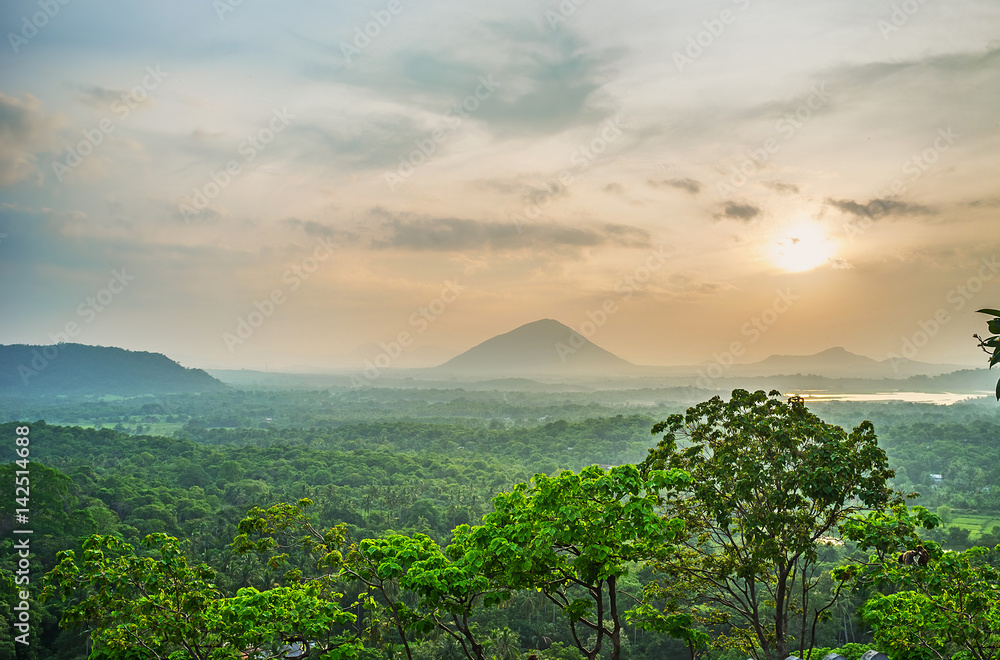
801,247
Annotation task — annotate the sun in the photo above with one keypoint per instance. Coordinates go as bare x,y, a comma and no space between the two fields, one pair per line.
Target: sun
801,247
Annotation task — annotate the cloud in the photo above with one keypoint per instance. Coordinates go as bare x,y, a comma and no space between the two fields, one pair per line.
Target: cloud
24,131
408,232
838,263
687,285
209,214
877,208
737,211
783,188
376,140
928,80
56,244
100,97
554,82
627,236
690,185
310,227
934,69
545,193
536,192
614,189
470,265
544,81
984,203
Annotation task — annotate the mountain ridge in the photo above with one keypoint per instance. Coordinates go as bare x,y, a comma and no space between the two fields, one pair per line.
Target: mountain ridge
81,369
534,347
837,361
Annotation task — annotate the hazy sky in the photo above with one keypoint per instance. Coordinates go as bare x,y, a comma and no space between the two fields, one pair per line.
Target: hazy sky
451,170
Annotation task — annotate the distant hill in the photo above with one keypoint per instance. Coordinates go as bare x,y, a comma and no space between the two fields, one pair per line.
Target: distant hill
840,363
77,369
542,347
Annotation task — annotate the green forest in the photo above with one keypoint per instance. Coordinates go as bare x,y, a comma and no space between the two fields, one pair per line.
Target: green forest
418,524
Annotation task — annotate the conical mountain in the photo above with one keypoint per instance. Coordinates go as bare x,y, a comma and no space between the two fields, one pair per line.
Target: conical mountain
545,347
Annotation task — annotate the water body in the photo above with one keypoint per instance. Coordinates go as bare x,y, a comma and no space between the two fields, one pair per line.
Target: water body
942,398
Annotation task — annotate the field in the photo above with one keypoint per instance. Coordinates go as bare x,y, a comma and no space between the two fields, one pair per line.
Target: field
976,523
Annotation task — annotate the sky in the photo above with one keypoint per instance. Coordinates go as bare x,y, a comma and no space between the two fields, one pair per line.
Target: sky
305,185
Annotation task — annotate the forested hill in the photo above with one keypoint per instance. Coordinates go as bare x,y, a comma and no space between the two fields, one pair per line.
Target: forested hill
79,369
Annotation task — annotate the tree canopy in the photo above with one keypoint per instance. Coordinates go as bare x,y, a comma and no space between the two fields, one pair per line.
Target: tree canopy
396,559
161,606
573,536
992,342
771,484
927,602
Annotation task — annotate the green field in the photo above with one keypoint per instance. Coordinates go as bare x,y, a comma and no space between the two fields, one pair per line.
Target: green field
976,523
165,429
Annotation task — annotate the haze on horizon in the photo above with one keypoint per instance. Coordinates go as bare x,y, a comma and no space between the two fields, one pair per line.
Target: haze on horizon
461,170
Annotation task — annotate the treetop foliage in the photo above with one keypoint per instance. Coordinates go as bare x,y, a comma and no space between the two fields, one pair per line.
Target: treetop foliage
770,482
429,540
992,342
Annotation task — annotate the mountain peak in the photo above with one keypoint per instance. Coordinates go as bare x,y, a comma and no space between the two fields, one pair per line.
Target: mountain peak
545,346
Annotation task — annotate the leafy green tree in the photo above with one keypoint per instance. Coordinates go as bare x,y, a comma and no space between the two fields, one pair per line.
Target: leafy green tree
940,604
573,537
503,645
447,585
161,607
949,608
62,524
771,485
992,342
559,651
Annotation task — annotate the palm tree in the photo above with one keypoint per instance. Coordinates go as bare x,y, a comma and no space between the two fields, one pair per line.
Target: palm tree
504,644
